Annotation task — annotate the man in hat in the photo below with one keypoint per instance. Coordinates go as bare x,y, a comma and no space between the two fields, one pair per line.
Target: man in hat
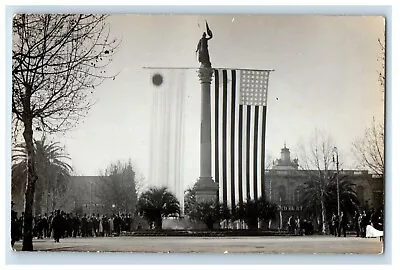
57,226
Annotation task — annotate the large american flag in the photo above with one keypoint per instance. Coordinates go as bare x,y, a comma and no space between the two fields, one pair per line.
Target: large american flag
239,116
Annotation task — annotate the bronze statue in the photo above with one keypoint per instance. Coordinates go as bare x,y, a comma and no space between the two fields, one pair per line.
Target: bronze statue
202,48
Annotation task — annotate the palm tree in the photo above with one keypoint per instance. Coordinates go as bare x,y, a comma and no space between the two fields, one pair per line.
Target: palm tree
267,210
52,169
311,198
348,196
208,212
190,202
156,204
252,211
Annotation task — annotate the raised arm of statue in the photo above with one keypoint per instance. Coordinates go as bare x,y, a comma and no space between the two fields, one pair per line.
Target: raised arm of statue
202,47
209,32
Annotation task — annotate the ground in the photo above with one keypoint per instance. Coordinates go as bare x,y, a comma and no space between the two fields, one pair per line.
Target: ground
265,244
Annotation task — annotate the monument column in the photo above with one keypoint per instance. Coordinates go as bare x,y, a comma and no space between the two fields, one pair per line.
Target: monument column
205,75
206,189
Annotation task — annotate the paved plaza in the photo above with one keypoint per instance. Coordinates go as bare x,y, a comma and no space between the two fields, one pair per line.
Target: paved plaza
266,244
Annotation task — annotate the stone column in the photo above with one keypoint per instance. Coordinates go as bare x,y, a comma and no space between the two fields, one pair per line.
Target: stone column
206,189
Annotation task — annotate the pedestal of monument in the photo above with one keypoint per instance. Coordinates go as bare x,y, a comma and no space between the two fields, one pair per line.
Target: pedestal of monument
206,189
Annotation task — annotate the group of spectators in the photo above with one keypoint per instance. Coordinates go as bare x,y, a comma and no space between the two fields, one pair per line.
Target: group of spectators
59,224
365,218
338,225
300,226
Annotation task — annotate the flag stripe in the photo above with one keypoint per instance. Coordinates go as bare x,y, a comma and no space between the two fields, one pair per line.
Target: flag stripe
240,149
255,145
248,120
216,128
233,120
224,135
263,132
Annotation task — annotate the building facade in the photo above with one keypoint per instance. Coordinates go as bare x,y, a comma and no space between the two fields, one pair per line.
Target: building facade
82,195
284,183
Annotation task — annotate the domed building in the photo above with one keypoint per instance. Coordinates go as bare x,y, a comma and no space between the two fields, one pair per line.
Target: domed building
284,183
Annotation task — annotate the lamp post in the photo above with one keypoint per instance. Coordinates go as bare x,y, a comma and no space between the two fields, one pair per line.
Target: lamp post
90,205
335,150
280,214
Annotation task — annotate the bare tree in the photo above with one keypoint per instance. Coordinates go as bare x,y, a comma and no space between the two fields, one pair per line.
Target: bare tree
57,61
316,158
382,60
369,150
118,188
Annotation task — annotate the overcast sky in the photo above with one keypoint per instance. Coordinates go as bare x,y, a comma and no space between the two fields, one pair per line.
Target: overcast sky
326,77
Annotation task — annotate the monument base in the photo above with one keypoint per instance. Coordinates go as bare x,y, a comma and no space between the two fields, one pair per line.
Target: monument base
206,190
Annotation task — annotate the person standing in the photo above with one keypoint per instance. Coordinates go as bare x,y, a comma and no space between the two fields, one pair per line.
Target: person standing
380,224
100,222
334,223
14,226
106,226
297,225
356,223
84,226
111,224
45,225
363,223
57,226
342,223
291,224
75,225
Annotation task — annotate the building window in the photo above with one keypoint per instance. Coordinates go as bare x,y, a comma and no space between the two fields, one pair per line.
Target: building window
281,194
297,196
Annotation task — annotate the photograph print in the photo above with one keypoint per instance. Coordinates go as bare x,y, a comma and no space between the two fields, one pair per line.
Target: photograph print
197,133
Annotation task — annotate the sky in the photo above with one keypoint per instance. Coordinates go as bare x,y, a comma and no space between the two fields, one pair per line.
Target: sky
326,77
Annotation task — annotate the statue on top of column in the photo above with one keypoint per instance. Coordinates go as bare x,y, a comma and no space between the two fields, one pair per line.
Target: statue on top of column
202,48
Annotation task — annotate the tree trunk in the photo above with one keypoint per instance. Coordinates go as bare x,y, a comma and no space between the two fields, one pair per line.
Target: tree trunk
158,223
32,177
323,214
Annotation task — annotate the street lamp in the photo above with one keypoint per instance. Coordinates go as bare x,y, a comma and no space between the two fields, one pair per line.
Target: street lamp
335,150
90,206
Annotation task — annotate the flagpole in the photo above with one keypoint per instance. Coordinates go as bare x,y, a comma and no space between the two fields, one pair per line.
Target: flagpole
251,69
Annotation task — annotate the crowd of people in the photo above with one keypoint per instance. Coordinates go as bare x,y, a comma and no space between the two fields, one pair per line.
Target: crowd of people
59,224
338,225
